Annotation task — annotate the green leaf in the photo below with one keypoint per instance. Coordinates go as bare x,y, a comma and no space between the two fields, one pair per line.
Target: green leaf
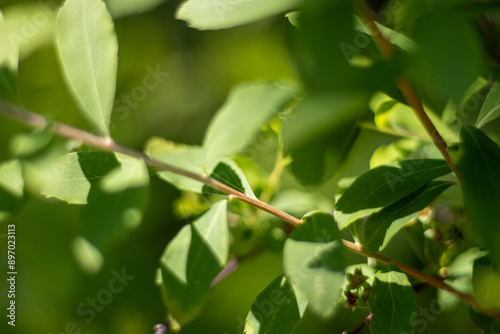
478,166
193,159
392,302
384,185
228,172
381,226
318,115
491,106
116,203
87,256
399,119
221,14
119,8
192,260
74,173
28,26
277,309
314,261
88,53
448,41
247,108
71,185
190,158
396,38
485,278
319,159
298,202
11,187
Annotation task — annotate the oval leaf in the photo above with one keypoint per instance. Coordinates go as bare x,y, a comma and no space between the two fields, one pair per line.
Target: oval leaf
192,260
384,185
277,310
478,166
392,302
491,106
120,8
220,14
314,261
485,278
247,108
382,225
88,52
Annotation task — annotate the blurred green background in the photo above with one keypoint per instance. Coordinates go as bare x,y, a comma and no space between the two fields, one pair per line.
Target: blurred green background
202,67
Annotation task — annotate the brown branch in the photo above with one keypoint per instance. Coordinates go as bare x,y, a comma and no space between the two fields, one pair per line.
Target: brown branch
107,144
387,51
364,324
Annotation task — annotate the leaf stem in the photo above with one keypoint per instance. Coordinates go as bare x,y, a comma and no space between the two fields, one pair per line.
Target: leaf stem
108,144
404,85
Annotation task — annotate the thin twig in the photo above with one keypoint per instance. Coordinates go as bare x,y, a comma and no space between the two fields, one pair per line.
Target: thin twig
364,324
387,51
107,144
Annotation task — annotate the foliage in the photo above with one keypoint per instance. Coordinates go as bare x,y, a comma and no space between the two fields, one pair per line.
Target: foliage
332,139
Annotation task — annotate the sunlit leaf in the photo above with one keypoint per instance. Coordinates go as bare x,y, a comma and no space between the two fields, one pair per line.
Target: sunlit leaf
381,226
28,27
220,14
87,256
277,309
247,108
384,185
190,158
399,119
392,302
478,165
192,260
314,261
120,8
485,278
88,51
491,106
74,173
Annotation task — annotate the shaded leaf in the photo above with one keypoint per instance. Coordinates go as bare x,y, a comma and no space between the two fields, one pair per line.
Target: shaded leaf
192,260
485,278
228,172
314,261
319,159
384,185
119,8
88,52
247,108
392,302
448,41
478,166
117,202
11,187
491,106
277,309
381,226
220,14
318,115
